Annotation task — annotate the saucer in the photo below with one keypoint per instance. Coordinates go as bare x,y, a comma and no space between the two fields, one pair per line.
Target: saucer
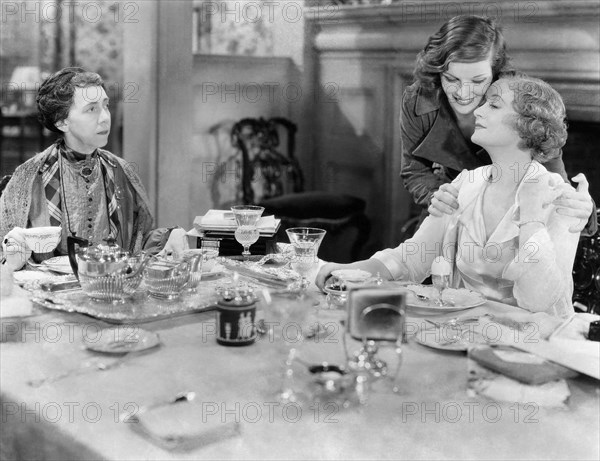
121,339
58,264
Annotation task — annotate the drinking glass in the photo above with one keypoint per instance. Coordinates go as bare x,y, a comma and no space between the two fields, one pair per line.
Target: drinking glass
440,282
247,233
286,316
306,242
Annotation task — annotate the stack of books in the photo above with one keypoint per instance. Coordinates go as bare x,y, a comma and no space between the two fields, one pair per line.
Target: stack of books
220,225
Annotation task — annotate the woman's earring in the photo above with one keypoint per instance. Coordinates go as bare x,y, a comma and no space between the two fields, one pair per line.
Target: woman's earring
62,126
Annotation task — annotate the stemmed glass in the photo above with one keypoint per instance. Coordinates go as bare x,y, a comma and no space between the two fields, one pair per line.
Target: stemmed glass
306,242
247,233
440,283
440,277
286,315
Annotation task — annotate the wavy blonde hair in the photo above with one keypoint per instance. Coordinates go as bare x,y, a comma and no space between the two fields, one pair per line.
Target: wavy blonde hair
541,115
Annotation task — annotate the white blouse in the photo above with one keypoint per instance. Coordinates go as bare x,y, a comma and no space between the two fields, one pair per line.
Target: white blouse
537,278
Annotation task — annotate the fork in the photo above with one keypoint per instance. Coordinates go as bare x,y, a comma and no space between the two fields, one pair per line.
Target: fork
459,337
448,302
456,321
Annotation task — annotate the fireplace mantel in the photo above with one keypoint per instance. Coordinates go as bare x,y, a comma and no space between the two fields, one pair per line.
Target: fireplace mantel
363,59
556,40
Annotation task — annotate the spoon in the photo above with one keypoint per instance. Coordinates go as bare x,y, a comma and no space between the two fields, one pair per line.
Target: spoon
420,296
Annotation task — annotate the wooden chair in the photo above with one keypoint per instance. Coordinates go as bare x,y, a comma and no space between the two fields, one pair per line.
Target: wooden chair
4,182
271,177
586,274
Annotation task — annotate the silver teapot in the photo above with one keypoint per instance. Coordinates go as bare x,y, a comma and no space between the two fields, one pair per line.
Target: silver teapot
105,271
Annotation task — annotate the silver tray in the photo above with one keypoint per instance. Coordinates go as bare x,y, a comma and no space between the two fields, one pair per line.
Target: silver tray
139,308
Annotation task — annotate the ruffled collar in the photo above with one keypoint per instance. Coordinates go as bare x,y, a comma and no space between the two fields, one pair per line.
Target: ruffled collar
73,156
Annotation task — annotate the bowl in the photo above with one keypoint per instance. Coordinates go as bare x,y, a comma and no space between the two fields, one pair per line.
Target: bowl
337,295
167,287
333,384
42,239
166,279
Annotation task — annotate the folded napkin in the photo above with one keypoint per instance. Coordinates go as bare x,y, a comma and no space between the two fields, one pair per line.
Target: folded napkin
582,356
224,220
522,366
558,340
183,426
504,389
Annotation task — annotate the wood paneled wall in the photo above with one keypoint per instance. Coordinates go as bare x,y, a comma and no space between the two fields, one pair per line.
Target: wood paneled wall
363,60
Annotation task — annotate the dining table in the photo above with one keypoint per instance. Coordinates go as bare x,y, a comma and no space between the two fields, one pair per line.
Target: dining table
433,414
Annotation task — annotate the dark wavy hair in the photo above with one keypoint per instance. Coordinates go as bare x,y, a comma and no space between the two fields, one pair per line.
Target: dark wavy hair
541,115
55,96
461,39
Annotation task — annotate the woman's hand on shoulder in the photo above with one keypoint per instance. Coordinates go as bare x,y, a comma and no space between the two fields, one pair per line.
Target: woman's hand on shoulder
576,203
444,201
535,194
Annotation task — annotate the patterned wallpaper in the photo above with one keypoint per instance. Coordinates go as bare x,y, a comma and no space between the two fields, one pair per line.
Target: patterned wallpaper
233,28
91,37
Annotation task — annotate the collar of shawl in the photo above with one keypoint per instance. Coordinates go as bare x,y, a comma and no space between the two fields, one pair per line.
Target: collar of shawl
51,180
15,201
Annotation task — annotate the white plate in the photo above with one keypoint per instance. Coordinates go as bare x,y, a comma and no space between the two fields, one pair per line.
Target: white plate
458,299
59,264
24,276
352,275
121,339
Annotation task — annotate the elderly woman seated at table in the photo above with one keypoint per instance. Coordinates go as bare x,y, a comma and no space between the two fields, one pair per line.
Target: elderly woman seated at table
74,183
505,241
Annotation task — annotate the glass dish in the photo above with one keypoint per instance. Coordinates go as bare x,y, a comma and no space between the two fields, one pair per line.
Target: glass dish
336,296
165,278
167,287
109,288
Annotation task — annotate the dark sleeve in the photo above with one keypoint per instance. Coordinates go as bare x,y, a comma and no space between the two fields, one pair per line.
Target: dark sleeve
156,239
417,173
153,240
556,165
592,225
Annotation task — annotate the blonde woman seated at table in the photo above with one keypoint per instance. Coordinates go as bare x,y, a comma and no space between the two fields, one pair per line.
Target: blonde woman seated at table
505,241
